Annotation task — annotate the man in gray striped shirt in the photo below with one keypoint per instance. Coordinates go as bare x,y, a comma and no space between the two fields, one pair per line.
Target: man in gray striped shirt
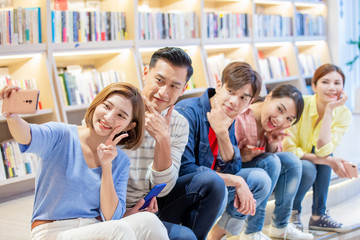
158,159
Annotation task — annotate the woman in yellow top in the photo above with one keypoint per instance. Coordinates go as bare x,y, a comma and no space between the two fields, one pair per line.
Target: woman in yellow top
313,139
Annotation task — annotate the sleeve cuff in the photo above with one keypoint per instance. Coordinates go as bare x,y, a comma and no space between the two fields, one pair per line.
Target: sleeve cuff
325,150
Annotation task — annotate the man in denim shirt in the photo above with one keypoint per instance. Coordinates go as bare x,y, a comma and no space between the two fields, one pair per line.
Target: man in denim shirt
212,158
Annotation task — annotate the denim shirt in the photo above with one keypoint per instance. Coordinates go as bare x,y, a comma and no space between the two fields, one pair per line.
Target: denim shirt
197,155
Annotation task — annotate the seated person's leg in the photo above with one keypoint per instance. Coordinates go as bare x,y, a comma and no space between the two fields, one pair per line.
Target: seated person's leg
286,188
142,225
259,184
195,201
272,166
179,232
308,177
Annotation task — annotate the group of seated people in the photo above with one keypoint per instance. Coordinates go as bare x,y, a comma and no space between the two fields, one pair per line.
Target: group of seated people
221,156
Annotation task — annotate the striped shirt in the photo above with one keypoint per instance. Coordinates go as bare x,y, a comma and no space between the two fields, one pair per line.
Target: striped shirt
142,178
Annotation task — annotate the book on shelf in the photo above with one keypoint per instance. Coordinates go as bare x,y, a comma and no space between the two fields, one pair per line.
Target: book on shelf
272,67
20,26
309,63
216,64
80,84
272,25
87,26
6,80
167,25
14,163
226,25
309,24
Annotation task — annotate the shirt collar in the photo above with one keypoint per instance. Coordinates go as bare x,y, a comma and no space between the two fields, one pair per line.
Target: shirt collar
205,100
313,108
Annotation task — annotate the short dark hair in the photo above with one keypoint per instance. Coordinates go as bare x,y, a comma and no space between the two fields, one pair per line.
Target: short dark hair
237,74
175,56
287,90
325,69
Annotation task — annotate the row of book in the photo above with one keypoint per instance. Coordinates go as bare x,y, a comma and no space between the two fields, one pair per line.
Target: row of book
13,163
272,67
167,25
273,25
226,25
309,63
217,63
80,85
309,25
20,26
5,80
87,26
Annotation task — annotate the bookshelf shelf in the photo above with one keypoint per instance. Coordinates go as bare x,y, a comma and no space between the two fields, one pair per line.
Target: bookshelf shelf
76,108
17,179
25,48
274,40
309,38
92,45
26,116
222,41
166,42
281,80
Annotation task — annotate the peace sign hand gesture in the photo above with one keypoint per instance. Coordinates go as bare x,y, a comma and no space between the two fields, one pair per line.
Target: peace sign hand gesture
107,152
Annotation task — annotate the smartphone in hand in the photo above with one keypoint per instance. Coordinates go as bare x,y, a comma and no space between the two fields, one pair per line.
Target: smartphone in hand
351,169
21,102
153,193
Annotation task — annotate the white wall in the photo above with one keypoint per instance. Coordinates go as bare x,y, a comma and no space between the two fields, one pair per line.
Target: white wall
343,25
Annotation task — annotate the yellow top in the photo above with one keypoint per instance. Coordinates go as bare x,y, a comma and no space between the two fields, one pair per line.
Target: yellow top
304,135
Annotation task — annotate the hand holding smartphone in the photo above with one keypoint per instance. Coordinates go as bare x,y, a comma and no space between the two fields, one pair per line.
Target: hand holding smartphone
351,169
153,193
21,102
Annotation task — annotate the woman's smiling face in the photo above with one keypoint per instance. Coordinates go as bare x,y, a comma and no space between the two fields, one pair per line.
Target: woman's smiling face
329,87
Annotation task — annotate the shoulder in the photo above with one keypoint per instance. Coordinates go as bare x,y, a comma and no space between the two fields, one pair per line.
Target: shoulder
189,107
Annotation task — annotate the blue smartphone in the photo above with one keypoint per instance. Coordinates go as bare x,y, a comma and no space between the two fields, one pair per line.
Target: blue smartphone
153,193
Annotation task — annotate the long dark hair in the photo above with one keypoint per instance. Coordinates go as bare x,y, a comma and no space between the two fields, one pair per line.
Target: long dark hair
289,91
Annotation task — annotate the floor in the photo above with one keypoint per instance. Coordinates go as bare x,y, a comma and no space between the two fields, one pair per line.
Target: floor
15,215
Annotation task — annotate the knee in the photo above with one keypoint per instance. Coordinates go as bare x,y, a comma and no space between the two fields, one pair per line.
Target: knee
259,181
152,226
272,166
308,171
212,183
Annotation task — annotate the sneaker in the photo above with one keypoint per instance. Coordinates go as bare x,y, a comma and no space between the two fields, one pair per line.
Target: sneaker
254,236
289,232
295,219
326,223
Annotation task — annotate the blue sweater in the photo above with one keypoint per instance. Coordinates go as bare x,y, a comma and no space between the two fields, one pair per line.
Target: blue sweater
197,155
65,186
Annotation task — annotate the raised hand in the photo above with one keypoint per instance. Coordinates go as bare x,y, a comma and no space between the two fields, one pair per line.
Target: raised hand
275,136
5,93
155,124
218,119
107,151
340,102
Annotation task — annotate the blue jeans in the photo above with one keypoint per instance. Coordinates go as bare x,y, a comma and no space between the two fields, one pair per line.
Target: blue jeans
259,184
194,202
317,176
178,232
284,170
